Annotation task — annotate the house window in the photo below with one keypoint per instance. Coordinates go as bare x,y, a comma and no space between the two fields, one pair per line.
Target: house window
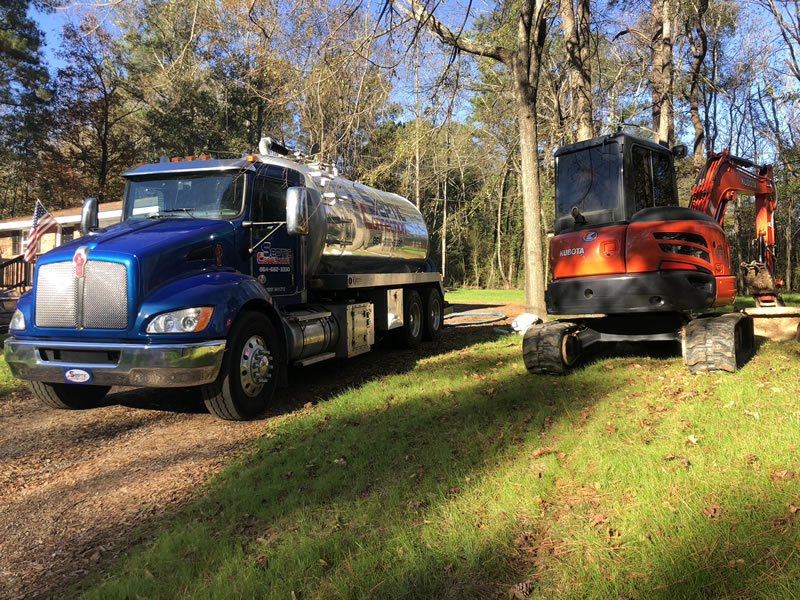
15,249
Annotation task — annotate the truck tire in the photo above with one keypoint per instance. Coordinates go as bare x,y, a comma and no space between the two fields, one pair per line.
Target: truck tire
413,320
551,348
69,396
718,343
250,370
434,314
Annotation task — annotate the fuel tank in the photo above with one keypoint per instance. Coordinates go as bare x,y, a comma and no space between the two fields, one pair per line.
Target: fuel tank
358,229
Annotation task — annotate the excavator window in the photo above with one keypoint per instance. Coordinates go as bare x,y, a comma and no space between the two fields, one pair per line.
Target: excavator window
653,181
588,180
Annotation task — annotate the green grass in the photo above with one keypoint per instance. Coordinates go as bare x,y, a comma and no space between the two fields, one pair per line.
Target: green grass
789,298
8,383
462,295
466,475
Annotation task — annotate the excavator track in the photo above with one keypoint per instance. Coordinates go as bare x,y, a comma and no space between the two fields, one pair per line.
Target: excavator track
551,348
718,343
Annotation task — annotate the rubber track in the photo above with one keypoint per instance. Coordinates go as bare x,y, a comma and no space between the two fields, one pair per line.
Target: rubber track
541,348
710,343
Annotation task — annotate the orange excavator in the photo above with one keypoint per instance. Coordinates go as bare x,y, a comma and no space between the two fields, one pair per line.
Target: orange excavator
629,264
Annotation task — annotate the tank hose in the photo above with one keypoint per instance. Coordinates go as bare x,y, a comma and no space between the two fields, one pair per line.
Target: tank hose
495,317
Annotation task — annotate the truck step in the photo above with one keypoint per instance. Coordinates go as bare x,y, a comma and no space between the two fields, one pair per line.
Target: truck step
314,359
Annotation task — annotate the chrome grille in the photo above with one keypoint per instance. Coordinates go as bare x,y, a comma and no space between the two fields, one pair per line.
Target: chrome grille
57,296
105,295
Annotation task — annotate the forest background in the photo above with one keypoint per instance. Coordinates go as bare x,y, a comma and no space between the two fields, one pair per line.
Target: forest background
405,96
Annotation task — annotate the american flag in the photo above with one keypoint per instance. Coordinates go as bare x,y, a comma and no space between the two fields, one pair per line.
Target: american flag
43,222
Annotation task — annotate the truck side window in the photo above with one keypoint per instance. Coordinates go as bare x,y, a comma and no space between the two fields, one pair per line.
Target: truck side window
270,194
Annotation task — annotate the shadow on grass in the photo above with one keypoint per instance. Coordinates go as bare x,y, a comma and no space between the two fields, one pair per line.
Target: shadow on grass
317,486
382,493
314,383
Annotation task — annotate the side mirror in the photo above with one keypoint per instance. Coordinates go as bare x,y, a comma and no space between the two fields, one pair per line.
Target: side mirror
297,202
680,151
89,216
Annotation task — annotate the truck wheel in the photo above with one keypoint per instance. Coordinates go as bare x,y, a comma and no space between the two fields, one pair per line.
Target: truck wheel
551,348
434,313
69,396
411,333
250,370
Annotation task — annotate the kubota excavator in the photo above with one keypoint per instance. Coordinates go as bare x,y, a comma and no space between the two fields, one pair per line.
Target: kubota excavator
628,263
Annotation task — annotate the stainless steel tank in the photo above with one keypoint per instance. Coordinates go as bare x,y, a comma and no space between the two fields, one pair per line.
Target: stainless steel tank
358,229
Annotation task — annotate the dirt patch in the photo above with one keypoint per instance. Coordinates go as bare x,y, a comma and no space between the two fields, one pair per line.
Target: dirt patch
74,485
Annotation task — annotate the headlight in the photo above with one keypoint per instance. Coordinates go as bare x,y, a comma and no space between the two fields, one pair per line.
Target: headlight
17,321
181,321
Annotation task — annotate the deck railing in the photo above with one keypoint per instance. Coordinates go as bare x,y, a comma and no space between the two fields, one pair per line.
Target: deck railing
15,273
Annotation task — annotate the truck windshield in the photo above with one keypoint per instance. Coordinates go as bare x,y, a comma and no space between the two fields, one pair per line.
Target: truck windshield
185,196
588,179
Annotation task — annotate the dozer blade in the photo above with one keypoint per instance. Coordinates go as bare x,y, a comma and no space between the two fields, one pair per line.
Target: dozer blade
776,323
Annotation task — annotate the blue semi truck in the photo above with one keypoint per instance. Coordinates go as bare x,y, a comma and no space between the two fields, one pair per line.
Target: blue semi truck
220,275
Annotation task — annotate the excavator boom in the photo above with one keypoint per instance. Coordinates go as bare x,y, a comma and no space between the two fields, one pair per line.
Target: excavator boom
723,177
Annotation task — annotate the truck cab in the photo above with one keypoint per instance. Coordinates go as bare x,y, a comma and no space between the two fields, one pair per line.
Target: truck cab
219,275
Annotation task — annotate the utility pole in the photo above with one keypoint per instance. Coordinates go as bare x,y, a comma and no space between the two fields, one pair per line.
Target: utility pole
444,215
417,128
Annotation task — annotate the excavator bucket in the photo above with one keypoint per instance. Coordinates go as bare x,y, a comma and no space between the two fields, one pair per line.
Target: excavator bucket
758,282
771,319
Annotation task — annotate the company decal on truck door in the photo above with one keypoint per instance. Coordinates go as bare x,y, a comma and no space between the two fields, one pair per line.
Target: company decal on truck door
274,260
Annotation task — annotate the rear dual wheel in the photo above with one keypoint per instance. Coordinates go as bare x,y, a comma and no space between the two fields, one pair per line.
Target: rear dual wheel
423,316
413,325
434,314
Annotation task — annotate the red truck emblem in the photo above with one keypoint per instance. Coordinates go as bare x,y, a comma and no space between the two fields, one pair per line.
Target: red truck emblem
79,260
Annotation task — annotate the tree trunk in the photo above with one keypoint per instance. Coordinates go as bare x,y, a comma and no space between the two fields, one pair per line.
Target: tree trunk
699,49
531,201
499,228
524,62
575,25
662,73
788,276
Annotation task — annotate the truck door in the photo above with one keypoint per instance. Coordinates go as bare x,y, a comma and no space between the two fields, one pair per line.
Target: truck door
277,261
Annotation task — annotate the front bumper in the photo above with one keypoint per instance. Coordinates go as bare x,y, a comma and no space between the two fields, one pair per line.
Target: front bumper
140,365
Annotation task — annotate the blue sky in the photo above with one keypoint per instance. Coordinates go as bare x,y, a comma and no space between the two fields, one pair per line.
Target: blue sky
51,24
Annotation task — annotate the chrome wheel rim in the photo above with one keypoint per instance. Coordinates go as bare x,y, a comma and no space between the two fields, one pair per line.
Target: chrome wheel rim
435,314
414,320
255,366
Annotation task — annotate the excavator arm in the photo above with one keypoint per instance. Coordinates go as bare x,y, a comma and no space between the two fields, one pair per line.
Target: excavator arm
724,176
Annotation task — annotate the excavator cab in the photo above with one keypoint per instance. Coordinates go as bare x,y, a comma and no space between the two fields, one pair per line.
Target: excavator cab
629,264
622,243
610,179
